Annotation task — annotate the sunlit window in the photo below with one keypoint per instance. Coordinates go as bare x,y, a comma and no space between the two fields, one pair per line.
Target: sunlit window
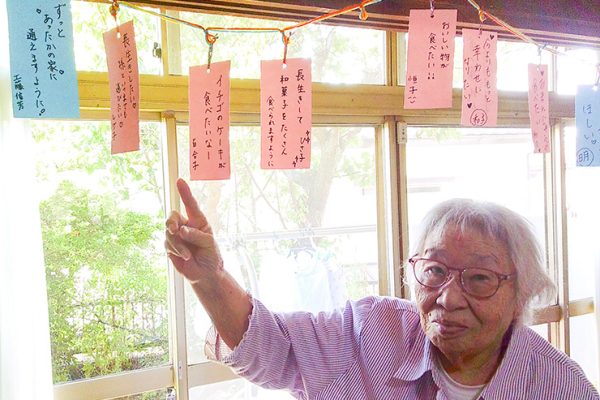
296,239
102,219
513,59
485,164
89,45
576,67
583,215
338,54
583,350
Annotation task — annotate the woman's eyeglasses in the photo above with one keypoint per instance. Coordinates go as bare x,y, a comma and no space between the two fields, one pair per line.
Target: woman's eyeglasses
478,282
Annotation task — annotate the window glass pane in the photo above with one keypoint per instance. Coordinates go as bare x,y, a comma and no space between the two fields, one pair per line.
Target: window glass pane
576,67
338,54
102,222
238,389
89,45
541,330
584,344
486,164
164,394
513,59
583,214
297,239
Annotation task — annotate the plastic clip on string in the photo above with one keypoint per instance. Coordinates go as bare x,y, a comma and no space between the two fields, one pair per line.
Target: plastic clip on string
482,19
210,39
363,13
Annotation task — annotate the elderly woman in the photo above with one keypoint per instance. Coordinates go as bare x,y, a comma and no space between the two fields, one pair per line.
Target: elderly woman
477,269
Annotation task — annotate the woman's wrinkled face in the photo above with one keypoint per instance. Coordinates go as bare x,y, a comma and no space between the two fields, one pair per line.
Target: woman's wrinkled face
456,322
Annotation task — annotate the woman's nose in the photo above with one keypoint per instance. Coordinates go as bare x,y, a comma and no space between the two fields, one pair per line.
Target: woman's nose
451,295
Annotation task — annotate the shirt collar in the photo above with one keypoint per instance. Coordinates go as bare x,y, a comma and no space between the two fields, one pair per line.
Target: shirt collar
513,373
420,359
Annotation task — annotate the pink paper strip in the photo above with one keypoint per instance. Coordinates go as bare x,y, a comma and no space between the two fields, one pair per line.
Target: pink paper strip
480,95
430,59
123,78
539,112
209,122
286,114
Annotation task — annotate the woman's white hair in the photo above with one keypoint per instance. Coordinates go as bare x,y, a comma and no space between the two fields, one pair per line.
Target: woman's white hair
533,285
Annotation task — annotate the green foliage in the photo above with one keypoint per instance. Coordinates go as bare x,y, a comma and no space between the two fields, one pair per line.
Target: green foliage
105,285
439,134
106,271
88,41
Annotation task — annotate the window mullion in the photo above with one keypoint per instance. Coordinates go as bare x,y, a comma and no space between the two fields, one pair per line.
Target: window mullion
178,340
557,225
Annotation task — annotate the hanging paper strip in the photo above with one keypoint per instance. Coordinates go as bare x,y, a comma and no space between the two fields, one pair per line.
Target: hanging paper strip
480,96
209,121
430,59
42,65
539,111
587,117
286,113
121,56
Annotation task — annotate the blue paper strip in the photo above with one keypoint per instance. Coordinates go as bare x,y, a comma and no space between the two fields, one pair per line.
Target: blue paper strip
42,64
587,117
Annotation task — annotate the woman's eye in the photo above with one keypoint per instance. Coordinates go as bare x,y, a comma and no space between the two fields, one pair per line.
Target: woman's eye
435,270
480,278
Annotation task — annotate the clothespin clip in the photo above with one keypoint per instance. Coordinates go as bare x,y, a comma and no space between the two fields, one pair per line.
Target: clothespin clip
432,7
210,39
286,40
114,10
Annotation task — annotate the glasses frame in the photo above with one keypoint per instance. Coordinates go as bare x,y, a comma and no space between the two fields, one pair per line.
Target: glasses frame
501,277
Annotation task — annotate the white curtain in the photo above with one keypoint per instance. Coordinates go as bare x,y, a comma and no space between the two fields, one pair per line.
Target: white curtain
25,361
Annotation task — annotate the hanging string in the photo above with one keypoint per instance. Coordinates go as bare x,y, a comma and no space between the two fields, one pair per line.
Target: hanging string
522,36
484,14
282,32
332,14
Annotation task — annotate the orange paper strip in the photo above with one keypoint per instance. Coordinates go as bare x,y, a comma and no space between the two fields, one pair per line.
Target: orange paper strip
123,78
286,113
480,95
539,111
430,59
209,122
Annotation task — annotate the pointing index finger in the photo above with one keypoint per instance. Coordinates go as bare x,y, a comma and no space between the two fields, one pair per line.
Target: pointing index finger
195,216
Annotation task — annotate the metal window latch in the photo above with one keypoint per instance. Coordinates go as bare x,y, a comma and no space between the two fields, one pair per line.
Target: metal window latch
156,50
402,134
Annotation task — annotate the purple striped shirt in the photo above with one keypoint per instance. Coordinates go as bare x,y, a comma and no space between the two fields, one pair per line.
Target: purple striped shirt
374,348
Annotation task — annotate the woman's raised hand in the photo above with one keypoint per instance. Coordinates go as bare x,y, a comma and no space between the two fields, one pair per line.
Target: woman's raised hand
189,241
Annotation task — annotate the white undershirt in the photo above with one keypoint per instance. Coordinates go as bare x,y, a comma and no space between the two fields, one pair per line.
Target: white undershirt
455,390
